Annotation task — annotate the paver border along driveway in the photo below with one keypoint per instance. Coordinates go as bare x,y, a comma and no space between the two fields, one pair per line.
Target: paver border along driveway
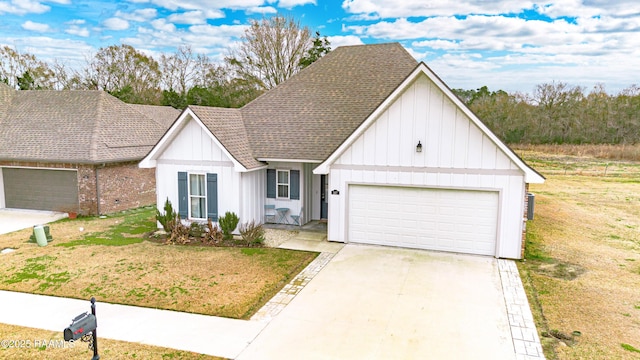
374,302
17,219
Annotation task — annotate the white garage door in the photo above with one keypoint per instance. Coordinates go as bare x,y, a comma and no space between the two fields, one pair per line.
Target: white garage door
435,219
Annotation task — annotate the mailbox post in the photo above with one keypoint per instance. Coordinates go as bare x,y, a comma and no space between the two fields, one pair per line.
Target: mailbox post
82,326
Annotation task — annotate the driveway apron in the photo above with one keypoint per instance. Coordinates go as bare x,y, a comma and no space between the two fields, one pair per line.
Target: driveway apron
374,302
18,219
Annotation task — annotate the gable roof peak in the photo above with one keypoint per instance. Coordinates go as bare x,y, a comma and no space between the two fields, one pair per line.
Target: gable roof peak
313,112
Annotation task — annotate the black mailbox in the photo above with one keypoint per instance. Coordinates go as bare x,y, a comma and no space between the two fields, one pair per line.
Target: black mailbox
81,325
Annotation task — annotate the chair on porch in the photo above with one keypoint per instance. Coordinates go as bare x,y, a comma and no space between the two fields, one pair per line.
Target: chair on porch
269,214
297,219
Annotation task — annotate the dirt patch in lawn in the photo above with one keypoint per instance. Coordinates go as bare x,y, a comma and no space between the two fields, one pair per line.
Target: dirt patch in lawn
583,251
110,259
28,343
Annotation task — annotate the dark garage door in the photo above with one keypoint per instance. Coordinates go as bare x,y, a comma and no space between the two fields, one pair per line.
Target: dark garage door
38,189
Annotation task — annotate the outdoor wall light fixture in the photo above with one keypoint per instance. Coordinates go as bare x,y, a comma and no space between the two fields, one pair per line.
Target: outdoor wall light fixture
419,147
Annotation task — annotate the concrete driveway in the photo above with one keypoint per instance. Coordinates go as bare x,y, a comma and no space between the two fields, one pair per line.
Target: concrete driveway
386,303
17,219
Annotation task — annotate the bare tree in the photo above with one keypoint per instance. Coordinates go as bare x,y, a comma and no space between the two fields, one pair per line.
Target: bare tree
24,71
178,69
558,110
271,52
125,73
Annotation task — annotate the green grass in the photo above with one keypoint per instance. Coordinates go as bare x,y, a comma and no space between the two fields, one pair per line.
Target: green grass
630,348
37,269
133,222
533,249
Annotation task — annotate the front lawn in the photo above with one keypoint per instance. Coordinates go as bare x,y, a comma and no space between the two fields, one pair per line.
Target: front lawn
44,344
111,259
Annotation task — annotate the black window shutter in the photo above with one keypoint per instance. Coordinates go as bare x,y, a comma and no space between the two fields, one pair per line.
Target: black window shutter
294,190
183,193
271,183
212,197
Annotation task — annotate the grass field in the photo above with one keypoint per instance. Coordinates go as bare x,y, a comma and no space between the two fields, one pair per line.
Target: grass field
582,268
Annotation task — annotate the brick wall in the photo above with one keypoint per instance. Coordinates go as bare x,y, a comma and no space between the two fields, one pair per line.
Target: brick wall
121,186
125,186
87,190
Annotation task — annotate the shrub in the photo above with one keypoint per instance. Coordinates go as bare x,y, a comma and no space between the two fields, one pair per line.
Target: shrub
169,219
179,234
196,229
213,234
228,223
252,233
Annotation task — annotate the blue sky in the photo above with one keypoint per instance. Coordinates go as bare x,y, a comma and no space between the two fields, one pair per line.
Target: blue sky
509,45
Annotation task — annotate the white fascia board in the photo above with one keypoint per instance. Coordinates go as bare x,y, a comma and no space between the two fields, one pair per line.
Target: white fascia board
151,160
531,176
257,168
289,160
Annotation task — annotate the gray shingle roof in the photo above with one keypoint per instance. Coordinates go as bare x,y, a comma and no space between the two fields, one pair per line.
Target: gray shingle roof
310,115
74,126
163,115
227,126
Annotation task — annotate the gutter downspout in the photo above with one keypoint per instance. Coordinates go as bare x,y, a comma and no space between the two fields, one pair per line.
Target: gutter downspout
97,191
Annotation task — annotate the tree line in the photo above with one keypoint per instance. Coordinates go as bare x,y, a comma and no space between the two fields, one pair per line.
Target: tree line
274,49
271,50
559,113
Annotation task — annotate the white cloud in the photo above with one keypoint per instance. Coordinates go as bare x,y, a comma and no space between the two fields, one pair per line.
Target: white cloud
77,30
476,32
590,8
337,41
69,52
163,25
409,8
76,22
219,31
139,15
189,17
195,17
22,7
288,4
437,44
34,26
203,5
262,10
116,24
213,41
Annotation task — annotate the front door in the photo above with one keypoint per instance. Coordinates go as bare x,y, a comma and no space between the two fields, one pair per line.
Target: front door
324,187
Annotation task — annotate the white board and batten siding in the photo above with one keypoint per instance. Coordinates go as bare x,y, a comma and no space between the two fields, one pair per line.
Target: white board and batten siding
456,156
193,150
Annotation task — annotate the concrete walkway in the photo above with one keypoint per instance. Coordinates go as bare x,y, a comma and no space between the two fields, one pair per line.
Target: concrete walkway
17,219
198,333
329,311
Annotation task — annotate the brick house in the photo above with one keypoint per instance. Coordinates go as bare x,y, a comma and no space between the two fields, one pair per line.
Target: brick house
76,151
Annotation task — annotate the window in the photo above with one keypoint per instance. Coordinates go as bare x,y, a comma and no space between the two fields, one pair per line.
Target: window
283,184
197,196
